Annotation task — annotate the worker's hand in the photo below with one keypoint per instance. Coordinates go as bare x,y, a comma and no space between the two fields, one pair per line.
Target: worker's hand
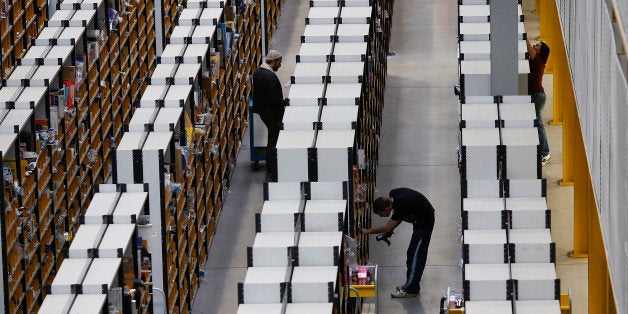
365,231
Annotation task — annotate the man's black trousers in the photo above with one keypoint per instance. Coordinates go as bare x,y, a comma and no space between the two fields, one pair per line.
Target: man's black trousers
416,257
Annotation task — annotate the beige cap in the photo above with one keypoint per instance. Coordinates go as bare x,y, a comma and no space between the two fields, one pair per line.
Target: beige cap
273,55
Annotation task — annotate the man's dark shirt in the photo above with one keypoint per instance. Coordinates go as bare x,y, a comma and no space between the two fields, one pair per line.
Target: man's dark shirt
267,94
411,206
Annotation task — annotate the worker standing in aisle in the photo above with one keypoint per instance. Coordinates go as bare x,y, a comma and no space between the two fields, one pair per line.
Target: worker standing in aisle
539,53
412,207
269,104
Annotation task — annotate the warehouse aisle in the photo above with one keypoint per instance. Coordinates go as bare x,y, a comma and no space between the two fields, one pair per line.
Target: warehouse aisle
418,148
235,231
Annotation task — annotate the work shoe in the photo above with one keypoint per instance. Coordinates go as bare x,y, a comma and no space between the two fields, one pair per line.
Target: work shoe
400,288
546,159
269,178
400,293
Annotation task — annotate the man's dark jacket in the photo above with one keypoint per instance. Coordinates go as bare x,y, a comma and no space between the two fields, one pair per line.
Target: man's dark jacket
267,94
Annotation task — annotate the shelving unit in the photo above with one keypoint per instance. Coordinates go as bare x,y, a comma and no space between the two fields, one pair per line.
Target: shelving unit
508,254
70,90
272,11
21,21
326,159
28,209
59,68
183,139
102,262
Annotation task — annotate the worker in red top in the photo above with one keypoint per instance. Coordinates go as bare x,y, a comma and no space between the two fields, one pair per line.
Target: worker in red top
538,53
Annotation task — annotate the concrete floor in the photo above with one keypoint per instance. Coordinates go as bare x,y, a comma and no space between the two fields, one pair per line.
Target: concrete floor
418,150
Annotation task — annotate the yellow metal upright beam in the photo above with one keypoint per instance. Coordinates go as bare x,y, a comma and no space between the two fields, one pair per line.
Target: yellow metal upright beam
571,131
581,196
558,60
547,28
598,275
541,7
565,304
601,298
558,78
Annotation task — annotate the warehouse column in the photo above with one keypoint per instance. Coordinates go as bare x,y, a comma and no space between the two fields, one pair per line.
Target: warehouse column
565,111
547,33
569,117
571,131
504,65
583,197
601,298
558,58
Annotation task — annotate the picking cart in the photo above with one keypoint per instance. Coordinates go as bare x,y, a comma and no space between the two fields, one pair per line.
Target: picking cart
257,153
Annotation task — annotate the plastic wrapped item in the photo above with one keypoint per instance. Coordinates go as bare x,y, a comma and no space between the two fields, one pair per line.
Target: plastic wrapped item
92,155
7,174
191,199
351,249
213,148
456,300
362,274
79,70
185,153
113,19
46,137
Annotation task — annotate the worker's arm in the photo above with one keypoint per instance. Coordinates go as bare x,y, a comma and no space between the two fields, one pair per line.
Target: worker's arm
531,50
387,228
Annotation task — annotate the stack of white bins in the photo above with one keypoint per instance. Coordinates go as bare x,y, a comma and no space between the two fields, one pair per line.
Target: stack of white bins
508,253
294,261
103,251
474,49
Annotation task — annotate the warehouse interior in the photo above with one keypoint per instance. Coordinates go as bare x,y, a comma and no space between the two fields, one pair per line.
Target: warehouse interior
419,99
135,183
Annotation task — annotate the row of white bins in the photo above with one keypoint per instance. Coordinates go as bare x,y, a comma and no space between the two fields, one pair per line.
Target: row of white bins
294,261
508,253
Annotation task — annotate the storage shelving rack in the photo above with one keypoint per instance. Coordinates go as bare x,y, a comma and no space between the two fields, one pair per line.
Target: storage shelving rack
102,263
57,185
94,60
20,22
329,136
28,210
188,125
272,11
132,57
508,255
